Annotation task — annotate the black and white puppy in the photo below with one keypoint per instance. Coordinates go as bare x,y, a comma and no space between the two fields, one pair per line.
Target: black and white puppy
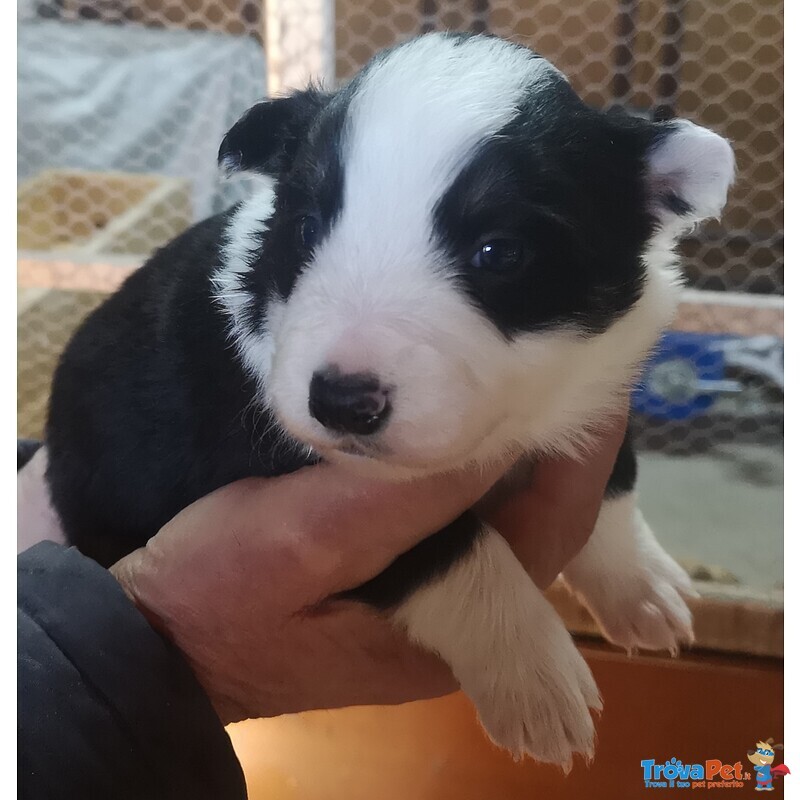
454,258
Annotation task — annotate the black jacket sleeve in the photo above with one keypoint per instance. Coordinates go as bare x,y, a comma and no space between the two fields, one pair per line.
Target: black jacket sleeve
106,706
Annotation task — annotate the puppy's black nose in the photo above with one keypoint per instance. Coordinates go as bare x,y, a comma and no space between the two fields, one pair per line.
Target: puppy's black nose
355,403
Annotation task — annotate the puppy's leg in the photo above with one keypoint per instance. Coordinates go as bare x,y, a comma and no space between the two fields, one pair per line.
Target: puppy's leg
633,588
509,651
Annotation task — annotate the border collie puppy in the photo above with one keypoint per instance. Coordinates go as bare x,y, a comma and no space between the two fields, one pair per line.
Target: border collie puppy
455,258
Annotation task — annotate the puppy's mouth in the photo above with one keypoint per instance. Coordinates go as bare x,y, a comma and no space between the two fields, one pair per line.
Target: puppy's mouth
353,447
376,453
363,448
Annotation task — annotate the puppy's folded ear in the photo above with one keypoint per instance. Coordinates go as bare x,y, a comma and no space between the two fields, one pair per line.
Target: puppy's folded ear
265,140
689,172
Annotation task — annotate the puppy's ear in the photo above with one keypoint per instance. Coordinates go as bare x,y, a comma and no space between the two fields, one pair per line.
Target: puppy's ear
266,138
689,172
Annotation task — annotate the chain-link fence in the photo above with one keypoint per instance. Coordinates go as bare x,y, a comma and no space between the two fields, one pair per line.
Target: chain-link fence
179,71
718,62
122,104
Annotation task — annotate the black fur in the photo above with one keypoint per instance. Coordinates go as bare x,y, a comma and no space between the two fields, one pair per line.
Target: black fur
150,408
429,559
267,137
566,180
311,185
623,476
150,411
26,449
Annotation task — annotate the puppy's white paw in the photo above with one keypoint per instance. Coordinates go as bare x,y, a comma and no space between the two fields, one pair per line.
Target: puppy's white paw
645,609
509,651
537,702
634,589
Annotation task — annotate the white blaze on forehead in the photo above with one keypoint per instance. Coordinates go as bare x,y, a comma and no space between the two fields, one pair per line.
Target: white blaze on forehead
412,123
372,298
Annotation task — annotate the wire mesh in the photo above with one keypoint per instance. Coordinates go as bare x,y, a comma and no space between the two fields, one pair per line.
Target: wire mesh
122,104
717,62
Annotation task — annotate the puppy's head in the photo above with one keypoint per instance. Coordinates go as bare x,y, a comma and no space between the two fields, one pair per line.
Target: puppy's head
456,254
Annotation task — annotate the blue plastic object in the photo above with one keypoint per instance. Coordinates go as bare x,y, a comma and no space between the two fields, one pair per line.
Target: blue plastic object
682,377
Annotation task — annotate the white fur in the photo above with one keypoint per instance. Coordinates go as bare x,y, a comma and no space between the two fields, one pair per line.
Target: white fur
509,652
462,391
545,391
698,165
376,298
412,124
239,249
634,589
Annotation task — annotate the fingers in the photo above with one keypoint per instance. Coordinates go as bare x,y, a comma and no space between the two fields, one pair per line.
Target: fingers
336,530
363,660
240,579
258,662
240,582
374,522
551,517
321,530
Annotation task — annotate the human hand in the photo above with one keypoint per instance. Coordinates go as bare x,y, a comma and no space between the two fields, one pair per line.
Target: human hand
550,516
243,580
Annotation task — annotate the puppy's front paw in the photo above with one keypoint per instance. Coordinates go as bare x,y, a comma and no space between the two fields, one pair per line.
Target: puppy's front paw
647,610
634,589
509,651
535,700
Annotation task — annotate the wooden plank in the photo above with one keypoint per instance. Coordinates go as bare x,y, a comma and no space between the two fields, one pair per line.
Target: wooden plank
694,708
727,619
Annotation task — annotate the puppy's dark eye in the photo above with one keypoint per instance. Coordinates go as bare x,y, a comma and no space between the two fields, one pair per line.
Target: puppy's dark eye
308,232
499,255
